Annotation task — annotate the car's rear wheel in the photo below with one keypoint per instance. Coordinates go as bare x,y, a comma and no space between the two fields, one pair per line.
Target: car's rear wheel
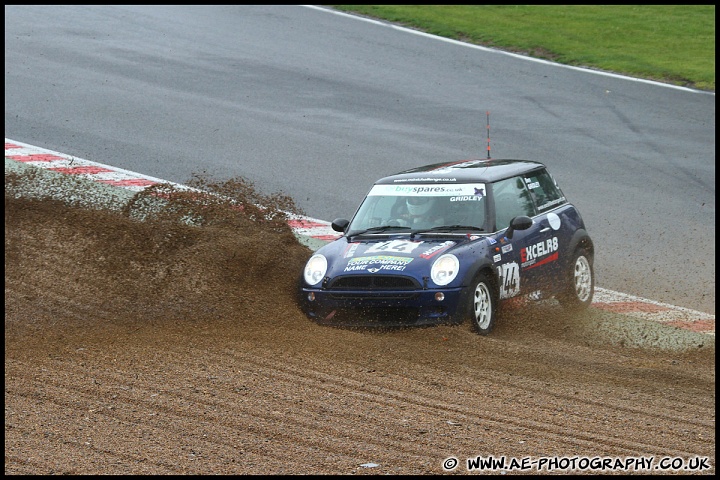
581,282
482,304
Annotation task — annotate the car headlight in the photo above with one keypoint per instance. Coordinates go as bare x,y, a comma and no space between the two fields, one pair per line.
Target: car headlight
445,269
315,269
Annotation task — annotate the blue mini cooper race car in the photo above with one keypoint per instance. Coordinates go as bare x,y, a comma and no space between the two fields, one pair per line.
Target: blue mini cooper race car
449,242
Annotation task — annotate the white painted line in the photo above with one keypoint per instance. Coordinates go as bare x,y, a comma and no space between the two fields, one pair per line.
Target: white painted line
502,52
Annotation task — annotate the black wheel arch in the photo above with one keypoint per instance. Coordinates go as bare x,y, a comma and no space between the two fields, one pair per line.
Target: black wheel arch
581,239
481,266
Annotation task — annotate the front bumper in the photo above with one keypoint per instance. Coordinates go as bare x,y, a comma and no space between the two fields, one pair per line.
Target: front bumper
385,308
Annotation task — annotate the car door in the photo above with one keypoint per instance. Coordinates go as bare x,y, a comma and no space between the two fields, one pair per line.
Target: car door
549,203
524,262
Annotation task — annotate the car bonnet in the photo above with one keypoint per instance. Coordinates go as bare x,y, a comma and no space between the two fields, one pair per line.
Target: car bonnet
390,255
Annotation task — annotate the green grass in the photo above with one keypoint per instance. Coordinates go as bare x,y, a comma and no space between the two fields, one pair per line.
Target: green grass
672,44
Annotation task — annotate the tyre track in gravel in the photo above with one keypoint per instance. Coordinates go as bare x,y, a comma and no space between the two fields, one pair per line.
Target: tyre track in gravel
173,423
382,391
250,452
380,394
303,424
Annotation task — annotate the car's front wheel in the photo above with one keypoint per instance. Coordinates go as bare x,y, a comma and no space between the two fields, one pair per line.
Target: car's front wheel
581,282
483,304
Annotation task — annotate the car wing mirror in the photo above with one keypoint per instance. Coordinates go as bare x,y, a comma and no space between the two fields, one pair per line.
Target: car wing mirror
340,224
520,222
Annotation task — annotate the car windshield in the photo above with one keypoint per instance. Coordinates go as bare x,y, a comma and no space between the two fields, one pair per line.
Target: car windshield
421,207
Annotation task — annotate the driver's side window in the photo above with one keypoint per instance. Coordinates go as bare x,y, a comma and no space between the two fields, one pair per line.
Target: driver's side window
512,198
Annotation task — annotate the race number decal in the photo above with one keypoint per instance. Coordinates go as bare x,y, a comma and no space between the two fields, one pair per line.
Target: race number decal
394,246
509,277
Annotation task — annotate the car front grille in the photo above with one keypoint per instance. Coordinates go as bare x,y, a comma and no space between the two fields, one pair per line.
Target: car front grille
373,282
376,295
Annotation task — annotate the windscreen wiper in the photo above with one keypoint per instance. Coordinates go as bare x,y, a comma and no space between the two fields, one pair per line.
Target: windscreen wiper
449,228
379,229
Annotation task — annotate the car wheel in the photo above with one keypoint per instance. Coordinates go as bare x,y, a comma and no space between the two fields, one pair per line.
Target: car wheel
581,282
483,304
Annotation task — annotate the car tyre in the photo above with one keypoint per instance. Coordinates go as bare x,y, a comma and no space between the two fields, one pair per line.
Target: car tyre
483,301
581,282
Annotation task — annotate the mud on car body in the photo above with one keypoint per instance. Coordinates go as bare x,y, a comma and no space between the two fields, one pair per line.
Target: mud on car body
449,242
